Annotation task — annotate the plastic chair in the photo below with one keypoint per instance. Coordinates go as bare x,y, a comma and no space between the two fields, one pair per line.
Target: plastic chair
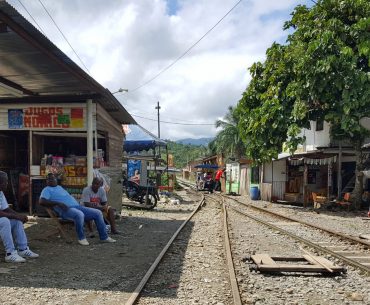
345,202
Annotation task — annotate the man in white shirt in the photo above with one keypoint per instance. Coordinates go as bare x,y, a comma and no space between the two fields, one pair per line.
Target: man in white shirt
95,197
12,222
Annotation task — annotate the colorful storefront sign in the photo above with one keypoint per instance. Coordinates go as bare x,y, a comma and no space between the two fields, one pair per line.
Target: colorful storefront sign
43,116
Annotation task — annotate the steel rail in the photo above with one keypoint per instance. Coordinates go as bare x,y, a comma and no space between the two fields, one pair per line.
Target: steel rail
339,234
305,241
134,296
229,258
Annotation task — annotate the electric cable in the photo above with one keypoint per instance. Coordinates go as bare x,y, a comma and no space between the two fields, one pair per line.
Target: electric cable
32,17
187,51
65,38
173,123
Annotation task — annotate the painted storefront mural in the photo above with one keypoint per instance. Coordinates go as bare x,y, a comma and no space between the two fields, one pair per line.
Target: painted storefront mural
43,117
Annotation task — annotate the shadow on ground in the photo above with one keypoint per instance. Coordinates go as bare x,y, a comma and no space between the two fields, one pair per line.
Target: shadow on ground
99,266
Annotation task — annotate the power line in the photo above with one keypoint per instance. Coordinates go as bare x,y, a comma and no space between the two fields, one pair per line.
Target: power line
174,123
32,17
162,116
187,51
65,38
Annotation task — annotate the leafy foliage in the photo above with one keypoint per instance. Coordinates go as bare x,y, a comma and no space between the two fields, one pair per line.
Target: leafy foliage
322,73
228,140
184,153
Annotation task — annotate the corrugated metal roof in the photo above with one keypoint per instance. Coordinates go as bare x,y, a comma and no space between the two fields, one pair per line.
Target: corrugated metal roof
33,69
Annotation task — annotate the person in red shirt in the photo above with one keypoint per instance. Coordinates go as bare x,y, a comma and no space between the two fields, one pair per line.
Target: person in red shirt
218,176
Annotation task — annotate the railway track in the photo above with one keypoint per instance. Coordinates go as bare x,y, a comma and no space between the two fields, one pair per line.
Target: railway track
350,250
136,293
353,251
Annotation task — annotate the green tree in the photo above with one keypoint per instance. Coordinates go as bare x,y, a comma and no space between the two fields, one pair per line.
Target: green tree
321,73
228,140
184,153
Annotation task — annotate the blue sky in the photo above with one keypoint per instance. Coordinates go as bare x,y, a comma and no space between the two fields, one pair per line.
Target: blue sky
126,43
172,7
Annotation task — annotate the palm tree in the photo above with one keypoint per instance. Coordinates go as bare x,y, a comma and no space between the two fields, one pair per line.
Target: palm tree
228,141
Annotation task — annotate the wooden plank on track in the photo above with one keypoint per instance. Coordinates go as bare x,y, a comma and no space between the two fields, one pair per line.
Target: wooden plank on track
293,268
315,260
288,259
263,259
265,263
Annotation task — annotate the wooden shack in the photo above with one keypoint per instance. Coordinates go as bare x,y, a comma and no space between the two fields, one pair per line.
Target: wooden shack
54,117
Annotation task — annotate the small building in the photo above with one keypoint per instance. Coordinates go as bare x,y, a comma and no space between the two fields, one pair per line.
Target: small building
321,165
54,117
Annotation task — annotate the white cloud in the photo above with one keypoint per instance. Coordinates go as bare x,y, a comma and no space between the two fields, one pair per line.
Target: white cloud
126,43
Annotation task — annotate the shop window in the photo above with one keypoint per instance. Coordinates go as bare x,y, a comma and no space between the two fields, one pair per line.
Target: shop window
255,175
319,125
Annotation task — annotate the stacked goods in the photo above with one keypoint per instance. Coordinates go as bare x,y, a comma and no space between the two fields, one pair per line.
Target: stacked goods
72,171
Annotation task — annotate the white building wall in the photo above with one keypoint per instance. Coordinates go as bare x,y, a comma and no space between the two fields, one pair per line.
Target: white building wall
279,171
315,139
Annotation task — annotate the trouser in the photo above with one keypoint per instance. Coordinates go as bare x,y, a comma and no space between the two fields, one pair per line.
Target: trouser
10,228
217,185
80,214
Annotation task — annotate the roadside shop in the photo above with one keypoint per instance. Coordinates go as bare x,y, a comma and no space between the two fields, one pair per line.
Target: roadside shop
54,117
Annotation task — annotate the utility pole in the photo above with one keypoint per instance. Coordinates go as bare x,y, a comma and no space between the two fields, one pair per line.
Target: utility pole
159,147
159,130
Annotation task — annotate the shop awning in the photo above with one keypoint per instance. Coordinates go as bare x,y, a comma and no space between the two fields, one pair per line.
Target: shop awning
139,139
34,70
206,166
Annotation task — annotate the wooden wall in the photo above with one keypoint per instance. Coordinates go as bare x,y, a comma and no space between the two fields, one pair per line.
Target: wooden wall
275,189
266,191
113,136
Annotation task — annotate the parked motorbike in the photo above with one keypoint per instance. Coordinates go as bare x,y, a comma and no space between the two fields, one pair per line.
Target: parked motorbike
146,196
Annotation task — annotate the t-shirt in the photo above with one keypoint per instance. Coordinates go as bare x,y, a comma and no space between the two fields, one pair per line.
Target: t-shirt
3,202
59,194
98,198
219,174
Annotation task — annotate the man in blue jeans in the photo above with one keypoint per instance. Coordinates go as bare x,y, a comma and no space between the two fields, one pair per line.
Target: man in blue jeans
11,225
66,206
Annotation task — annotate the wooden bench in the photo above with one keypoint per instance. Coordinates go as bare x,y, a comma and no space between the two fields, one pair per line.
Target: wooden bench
60,223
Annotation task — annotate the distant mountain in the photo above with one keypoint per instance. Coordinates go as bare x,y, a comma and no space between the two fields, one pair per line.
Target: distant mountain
196,142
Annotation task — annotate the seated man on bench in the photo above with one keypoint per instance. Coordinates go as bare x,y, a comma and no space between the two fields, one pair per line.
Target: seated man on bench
11,226
94,196
66,206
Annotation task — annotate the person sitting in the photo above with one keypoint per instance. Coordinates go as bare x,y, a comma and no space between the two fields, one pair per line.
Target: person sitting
11,223
66,206
94,196
208,182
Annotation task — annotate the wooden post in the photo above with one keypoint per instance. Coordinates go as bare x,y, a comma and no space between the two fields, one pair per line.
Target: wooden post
339,174
89,126
29,172
329,179
305,174
272,179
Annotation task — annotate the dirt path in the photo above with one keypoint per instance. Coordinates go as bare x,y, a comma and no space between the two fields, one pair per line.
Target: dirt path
95,274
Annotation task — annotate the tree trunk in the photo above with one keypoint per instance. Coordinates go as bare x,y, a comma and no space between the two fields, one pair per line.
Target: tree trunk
356,196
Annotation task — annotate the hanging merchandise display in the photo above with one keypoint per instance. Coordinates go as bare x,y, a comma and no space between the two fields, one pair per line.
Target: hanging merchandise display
321,161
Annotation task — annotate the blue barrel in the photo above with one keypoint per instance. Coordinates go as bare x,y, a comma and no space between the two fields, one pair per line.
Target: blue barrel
255,193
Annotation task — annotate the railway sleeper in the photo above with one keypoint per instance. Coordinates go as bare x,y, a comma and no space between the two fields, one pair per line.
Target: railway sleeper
308,264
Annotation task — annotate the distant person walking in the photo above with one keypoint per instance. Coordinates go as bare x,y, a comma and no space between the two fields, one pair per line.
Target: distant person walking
219,175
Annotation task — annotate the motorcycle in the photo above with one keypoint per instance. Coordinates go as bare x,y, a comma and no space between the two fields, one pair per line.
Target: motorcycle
146,196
